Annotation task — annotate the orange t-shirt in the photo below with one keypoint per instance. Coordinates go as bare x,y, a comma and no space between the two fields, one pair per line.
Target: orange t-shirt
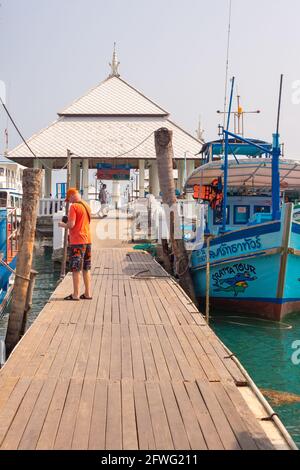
80,234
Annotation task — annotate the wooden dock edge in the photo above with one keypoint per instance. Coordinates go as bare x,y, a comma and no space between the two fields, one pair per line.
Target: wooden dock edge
243,387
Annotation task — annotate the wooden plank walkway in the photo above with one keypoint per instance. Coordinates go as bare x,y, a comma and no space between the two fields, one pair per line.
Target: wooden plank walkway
136,367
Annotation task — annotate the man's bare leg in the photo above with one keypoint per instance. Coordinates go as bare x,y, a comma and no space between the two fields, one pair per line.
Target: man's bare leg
76,284
87,283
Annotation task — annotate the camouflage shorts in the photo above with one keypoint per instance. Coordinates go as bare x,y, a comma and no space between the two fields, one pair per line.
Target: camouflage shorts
80,258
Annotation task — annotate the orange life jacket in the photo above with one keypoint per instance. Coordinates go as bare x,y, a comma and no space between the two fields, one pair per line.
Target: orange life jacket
211,193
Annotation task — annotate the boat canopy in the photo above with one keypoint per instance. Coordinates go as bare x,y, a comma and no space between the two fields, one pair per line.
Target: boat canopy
251,173
236,147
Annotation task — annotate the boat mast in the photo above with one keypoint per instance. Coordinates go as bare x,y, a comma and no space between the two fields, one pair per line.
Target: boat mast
275,163
225,189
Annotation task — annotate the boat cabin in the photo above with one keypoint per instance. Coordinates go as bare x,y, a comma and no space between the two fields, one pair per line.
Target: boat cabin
249,195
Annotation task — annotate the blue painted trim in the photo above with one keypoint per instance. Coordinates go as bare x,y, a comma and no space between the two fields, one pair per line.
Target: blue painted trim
275,178
226,160
229,260
247,141
296,228
250,232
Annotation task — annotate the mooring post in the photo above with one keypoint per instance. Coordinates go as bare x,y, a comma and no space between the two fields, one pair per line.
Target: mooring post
32,179
29,297
2,353
207,280
164,156
65,249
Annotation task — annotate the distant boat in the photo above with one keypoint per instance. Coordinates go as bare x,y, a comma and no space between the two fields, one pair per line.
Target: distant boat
10,213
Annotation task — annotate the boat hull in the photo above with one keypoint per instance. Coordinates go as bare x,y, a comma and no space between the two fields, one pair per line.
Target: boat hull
5,286
254,308
254,271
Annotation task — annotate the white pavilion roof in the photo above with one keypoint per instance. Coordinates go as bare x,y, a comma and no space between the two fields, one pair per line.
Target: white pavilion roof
97,137
112,120
114,97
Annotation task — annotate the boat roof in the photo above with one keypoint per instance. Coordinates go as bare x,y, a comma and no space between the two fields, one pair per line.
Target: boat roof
236,147
248,172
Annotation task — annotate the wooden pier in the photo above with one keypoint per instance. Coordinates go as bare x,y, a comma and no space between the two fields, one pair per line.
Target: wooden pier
136,367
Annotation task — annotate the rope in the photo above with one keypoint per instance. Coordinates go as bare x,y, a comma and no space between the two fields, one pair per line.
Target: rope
23,139
13,271
135,276
227,60
128,151
271,417
231,320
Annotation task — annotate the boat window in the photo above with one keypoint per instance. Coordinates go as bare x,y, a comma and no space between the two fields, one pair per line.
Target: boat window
218,215
3,199
262,209
241,215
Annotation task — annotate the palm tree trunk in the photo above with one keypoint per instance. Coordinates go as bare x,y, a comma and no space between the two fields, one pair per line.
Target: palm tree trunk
164,156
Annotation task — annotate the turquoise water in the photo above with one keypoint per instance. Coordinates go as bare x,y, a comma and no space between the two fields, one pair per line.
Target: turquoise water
265,350
46,283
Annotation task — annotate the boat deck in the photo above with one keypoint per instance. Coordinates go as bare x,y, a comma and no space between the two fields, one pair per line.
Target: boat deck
136,367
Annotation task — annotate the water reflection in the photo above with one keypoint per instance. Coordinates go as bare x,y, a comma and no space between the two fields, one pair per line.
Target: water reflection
46,283
265,350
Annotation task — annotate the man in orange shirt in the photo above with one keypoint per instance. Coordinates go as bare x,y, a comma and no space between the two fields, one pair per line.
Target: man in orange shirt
78,223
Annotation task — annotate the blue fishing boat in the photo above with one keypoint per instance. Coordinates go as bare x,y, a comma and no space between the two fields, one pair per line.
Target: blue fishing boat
8,253
10,215
252,230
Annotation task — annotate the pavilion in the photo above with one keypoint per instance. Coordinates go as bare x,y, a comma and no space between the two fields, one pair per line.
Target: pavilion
113,122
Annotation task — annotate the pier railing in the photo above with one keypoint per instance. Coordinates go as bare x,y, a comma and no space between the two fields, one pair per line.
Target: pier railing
50,206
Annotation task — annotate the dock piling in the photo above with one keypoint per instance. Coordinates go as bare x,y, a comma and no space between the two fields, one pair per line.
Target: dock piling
164,155
32,179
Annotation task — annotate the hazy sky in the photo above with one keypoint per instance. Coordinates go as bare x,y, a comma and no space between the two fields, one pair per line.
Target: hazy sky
53,51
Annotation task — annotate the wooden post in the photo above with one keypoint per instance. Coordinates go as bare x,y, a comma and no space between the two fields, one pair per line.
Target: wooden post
164,156
65,249
32,180
2,353
28,303
207,279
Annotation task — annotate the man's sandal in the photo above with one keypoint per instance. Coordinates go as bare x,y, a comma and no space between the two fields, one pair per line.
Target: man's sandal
70,297
83,297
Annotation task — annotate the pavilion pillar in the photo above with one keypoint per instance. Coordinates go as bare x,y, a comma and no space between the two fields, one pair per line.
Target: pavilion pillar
48,178
85,178
75,173
116,194
181,175
142,178
37,165
153,179
190,167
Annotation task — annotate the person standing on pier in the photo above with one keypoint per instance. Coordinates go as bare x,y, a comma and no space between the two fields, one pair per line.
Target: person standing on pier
80,243
103,198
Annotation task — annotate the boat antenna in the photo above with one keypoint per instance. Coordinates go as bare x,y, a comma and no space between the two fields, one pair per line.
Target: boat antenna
227,59
279,104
